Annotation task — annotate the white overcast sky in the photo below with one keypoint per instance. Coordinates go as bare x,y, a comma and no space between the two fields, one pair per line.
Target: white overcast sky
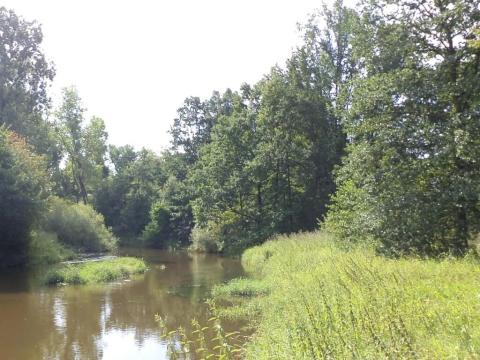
134,62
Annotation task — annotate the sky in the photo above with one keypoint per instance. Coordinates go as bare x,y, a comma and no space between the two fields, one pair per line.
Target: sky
134,62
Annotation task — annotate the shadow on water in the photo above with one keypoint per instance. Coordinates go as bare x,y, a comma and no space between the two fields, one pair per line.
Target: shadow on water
112,321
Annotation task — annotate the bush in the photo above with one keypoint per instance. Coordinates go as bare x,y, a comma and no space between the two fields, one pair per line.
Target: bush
348,216
204,240
157,233
77,226
227,236
44,248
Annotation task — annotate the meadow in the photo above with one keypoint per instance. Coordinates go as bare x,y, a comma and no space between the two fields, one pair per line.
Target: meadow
309,298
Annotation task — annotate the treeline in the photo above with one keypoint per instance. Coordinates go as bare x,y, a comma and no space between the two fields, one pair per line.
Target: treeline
370,130
48,162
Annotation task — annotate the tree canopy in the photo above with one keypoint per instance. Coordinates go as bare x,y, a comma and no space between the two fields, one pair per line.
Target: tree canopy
370,130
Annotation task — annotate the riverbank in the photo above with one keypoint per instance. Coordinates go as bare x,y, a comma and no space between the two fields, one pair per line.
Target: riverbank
310,299
95,271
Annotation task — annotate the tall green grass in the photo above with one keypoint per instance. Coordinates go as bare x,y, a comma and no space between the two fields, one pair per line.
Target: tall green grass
317,301
95,272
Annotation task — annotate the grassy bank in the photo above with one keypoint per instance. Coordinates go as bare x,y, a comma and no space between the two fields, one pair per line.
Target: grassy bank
96,272
309,299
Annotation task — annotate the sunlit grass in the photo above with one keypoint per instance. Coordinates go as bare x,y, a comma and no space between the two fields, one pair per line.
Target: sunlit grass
324,302
96,272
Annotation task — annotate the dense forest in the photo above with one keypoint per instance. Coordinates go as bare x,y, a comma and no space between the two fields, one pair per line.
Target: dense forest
370,130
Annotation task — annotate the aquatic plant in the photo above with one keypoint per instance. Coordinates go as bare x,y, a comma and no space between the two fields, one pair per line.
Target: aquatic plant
204,342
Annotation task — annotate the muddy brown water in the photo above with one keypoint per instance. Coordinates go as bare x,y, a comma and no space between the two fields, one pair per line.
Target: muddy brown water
110,321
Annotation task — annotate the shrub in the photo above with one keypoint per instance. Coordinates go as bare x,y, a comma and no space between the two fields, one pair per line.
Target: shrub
204,240
44,248
348,216
77,226
157,233
227,236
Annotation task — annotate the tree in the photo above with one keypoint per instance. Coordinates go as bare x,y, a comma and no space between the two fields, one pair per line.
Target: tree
25,75
23,189
85,147
176,194
222,183
69,122
196,118
413,121
122,157
267,165
157,232
126,196
95,138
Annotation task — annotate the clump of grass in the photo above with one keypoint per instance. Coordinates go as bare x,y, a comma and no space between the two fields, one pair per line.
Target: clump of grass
240,299
95,272
241,287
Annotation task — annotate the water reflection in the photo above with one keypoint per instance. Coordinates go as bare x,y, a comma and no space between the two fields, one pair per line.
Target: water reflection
114,321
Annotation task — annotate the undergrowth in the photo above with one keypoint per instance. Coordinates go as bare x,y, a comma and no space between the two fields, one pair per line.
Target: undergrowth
326,302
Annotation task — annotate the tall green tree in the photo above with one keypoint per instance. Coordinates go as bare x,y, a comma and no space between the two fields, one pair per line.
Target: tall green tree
413,121
84,147
191,129
223,181
69,121
126,196
268,165
25,75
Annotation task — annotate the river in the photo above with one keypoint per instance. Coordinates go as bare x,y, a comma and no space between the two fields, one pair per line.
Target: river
109,321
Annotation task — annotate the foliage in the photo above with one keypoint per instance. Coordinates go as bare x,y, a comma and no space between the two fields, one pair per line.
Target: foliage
355,304
176,195
44,248
191,129
267,167
126,196
23,189
389,87
95,271
181,345
349,217
77,226
412,119
157,233
24,78
84,148
204,240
